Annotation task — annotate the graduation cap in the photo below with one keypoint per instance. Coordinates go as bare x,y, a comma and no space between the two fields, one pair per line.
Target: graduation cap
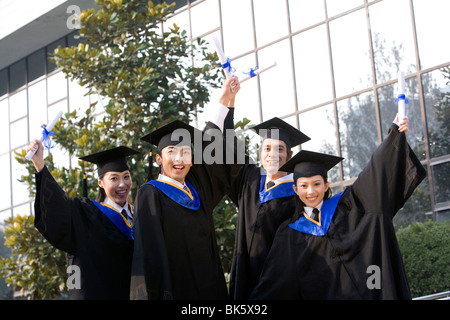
175,133
307,164
278,129
109,160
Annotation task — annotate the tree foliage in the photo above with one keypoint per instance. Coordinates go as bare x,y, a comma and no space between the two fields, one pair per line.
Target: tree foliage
35,267
426,254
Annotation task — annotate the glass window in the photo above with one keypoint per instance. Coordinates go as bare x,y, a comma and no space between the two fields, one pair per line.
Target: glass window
57,87
319,125
388,110
17,75
4,126
247,100
5,187
441,173
431,20
18,105
22,209
37,108
271,20
435,84
60,157
210,47
350,51
277,94
19,189
72,40
3,216
36,65
205,17
78,100
19,133
304,13
312,67
335,7
237,23
57,107
392,39
3,82
417,208
180,19
357,131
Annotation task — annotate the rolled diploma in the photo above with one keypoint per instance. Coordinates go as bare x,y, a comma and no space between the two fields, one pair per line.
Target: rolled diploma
222,57
401,90
50,126
258,72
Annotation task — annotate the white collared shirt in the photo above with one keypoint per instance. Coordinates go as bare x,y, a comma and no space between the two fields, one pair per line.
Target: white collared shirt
162,177
287,177
117,207
308,210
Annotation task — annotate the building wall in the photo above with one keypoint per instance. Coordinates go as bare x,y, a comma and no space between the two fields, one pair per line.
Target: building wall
335,80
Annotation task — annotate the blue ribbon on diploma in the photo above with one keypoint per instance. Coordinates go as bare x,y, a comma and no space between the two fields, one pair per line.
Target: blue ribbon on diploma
251,72
47,142
228,65
401,97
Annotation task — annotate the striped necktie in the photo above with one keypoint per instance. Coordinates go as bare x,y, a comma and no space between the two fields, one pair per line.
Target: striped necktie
315,215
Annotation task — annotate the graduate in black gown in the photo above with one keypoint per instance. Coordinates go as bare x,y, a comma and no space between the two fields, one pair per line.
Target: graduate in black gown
265,199
344,247
175,251
97,235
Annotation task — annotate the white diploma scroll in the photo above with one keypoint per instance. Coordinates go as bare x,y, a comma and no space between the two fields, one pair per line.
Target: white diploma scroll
258,71
42,137
222,57
401,96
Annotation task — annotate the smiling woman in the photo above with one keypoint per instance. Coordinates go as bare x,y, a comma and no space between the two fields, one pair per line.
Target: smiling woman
95,234
116,186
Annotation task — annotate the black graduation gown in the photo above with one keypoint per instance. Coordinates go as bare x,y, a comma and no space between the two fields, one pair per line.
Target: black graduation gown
260,213
100,248
175,251
255,229
360,247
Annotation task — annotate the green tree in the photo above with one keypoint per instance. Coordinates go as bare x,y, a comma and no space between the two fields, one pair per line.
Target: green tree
5,291
148,75
35,268
426,254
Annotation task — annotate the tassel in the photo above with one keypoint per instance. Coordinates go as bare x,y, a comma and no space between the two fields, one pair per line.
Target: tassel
150,167
85,188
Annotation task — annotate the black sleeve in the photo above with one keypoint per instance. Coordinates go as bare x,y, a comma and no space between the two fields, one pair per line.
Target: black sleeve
391,175
54,212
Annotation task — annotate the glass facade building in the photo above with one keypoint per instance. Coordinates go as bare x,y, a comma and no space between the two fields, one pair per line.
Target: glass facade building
335,80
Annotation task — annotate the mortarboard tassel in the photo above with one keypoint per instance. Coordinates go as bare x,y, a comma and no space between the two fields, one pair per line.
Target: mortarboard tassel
150,167
85,189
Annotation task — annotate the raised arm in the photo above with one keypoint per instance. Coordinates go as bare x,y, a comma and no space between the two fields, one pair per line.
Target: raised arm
53,208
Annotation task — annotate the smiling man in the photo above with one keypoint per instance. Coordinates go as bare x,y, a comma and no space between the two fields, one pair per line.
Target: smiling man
175,254
265,199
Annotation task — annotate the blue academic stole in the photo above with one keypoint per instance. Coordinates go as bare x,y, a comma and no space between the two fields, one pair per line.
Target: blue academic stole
188,199
280,190
117,218
307,225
